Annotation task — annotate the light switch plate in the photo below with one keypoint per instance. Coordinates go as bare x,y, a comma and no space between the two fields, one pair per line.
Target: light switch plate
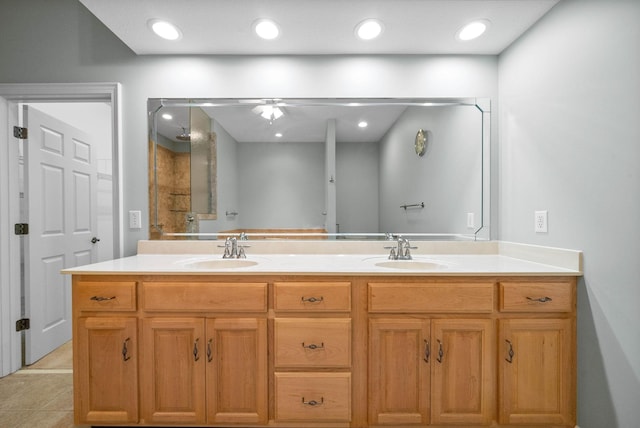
135,219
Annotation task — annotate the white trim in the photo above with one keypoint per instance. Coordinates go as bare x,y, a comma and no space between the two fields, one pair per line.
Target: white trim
10,341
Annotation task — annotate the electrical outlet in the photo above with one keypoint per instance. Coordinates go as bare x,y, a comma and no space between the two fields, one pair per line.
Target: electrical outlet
135,220
471,222
541,222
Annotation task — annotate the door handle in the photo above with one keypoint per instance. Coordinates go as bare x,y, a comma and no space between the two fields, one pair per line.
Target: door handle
94,240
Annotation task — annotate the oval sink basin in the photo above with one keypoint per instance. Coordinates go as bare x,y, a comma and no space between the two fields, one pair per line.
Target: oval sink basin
220,264
410,265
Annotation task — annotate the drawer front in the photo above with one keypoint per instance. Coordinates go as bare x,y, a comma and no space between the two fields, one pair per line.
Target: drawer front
305,342
204,296
537,297
313,397
105,296
431,297
312,296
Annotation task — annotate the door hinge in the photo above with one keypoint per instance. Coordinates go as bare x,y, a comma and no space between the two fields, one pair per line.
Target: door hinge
23,324
21,133
21,228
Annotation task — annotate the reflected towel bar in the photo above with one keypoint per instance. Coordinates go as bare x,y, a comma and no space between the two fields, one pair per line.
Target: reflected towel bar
420,205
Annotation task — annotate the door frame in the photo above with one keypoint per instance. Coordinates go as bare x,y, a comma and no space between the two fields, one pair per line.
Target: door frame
10,244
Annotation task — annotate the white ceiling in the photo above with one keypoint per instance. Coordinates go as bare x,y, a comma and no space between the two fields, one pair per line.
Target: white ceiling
311,27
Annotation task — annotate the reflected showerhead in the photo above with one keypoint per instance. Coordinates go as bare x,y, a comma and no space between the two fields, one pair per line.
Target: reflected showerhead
184,136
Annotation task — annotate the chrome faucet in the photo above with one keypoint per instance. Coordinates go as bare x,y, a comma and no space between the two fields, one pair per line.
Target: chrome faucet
401,251
232,250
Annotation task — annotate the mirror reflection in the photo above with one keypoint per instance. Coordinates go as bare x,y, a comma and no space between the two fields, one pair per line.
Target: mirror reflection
346,168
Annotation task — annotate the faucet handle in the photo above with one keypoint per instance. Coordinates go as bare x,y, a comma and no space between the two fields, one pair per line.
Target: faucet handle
241,253
392,254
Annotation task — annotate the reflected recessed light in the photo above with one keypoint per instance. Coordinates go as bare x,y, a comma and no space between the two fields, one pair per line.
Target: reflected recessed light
472,30
278,134
164,29
266,29
369,29
167,116
363,124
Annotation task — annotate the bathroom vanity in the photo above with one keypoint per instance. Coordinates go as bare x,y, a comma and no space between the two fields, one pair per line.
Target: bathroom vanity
327,334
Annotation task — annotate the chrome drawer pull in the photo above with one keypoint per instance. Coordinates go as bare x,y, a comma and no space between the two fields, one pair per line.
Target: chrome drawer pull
312,299
540,299
313,402
209,352
196,353
125,350
313,346
102,299
511,353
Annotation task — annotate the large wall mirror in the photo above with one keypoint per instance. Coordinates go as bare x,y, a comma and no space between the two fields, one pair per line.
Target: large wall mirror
319,168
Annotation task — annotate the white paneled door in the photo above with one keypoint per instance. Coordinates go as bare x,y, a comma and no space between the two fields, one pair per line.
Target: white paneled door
60,195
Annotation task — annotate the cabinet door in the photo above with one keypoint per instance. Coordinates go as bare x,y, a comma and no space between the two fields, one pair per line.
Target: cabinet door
399,371
463,361
106,375
236,354
536,372
173,370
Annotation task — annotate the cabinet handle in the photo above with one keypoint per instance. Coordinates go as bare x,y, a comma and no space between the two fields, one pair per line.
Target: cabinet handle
313,346
125,350
510,353
101,298
540,299
427,351
313,402
312,299
196,353
209,352
440,351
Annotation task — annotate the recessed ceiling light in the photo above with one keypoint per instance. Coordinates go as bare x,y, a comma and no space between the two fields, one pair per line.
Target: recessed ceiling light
279,134
472,30
164,29
266,29
363,124
369,29
167,116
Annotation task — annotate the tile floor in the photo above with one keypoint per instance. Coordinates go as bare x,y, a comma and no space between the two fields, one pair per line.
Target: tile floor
41,395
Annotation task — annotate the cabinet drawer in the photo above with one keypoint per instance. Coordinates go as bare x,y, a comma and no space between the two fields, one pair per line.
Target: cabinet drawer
537,297
305,342
313,397
204,296
312,296
105,296
431,297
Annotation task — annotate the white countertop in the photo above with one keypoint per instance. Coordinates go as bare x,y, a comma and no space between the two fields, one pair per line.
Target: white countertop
448,259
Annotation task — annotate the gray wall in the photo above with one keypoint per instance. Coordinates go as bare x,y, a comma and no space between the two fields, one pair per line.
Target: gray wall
281,185
447,178
570,144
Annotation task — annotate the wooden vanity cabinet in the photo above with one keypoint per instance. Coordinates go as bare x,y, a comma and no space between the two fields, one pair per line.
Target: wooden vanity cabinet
430,369
204,369
537,353
105,352
321,351
312,352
